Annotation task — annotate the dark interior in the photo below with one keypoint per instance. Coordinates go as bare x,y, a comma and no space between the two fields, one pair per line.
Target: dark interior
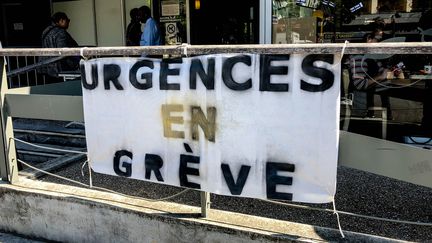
224,22
23,21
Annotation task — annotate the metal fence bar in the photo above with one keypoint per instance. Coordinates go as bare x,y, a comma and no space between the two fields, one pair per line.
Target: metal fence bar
350,48
19,76
4,172
31,67
205,203
8,69
8,162
35,72
27,73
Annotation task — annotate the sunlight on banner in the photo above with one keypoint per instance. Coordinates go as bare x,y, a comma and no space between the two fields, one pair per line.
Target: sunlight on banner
261,126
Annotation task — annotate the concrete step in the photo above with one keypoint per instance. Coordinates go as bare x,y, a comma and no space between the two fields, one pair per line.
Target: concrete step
100,214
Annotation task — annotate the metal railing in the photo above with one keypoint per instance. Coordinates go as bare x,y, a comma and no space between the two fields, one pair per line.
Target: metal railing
19,73
63,101
349,48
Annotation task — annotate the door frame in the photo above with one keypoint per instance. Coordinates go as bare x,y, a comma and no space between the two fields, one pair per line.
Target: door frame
265,22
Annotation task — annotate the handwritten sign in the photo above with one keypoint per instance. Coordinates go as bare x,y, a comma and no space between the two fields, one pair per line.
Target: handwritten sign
261,126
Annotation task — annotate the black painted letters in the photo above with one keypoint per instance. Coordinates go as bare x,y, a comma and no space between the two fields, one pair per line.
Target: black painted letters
165,71
126,166
227,77
153,163
266,70
111,73
184,170
325,75
273,179
235,188
145,76
94,74
198,69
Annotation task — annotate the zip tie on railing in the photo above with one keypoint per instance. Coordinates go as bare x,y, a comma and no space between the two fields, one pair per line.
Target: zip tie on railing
184,47
90,175
82,167
49,148
103,189
337,217
349,214
82,52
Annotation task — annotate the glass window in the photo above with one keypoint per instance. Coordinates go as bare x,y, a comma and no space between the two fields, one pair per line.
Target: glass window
292,23
384,96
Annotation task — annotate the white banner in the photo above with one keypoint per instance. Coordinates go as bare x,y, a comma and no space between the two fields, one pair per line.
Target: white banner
261,126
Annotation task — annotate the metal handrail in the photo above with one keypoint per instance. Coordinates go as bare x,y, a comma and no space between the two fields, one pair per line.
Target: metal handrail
31,67
349,48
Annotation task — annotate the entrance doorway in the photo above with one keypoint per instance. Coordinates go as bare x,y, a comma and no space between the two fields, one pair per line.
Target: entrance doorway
224,22
23,22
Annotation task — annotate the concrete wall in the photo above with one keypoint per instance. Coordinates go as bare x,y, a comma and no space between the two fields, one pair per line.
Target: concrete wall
109,22
82,22
70,214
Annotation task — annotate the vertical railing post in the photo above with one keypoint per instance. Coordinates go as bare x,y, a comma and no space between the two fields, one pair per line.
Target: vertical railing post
3,161
8,161
205,203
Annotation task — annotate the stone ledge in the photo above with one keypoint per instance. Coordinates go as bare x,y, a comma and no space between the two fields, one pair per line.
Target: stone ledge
65,213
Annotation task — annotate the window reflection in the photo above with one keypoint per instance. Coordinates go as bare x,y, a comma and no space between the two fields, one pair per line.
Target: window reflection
293,24
384,96
337,21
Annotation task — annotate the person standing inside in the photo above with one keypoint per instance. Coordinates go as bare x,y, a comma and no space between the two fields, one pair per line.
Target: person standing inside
151,35
365,74
133,31
56,36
